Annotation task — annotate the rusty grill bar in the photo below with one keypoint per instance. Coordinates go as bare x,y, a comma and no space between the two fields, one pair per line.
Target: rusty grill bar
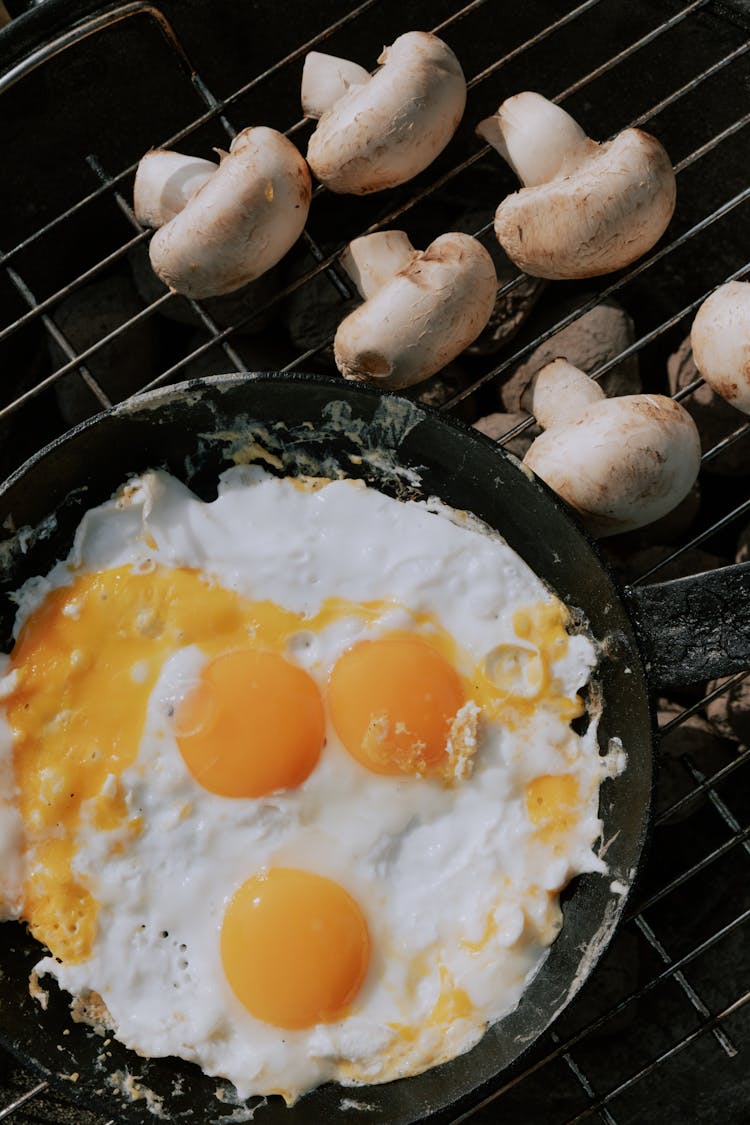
704,1022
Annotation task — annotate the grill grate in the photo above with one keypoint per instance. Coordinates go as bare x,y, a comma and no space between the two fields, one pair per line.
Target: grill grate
657,1033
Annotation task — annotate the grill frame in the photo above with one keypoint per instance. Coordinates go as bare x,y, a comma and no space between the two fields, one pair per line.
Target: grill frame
561,1046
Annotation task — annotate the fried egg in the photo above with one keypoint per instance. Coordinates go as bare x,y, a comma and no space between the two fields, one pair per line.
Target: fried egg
291,785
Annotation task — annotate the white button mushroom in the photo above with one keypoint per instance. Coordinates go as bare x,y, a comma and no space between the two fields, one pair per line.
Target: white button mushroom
378,131
720,339
421,307
620,462
586,208
238,223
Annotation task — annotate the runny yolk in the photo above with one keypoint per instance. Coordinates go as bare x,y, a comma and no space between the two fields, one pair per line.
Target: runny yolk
254,724
295,948
392,702
77,713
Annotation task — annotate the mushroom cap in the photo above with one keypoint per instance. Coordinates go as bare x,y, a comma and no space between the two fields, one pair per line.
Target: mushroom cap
600,217
422,318
241,222
624,463
720,338
384,132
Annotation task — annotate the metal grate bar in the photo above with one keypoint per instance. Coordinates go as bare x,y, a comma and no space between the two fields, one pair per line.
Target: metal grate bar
532,42
207,321
720,775
659,978
720,806
487,150
81,279
609,291
303,358
83,30
580,310
695,707
700,865
724,522
465,11
598,1023
726,443
215,105
298,53
326,263
626,52
671,322
693,84
588,1089
713,143
710,1024
293,56
60,339
196,123
34,1092
721,1037
50,380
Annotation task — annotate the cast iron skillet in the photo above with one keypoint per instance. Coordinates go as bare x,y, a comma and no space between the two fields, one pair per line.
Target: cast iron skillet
317,424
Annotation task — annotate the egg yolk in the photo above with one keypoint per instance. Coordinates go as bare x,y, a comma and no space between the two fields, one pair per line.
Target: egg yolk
552,801
253,724
295,948
392,702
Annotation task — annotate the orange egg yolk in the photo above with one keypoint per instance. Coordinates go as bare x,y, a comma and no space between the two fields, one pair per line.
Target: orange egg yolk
253,725
295,948
392,702
86,663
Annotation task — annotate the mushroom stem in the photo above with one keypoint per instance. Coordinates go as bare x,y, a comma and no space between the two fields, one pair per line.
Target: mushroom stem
383,130
417,321
623,462
538,140
240,223
325,79
164,183
559,393
371,261
585,208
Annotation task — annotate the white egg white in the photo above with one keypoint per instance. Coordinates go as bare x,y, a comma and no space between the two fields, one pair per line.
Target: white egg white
453,880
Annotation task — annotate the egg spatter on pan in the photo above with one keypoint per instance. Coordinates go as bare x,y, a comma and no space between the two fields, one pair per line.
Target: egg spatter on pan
293,777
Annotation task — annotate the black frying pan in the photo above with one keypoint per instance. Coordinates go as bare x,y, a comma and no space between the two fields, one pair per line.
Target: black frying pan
686,630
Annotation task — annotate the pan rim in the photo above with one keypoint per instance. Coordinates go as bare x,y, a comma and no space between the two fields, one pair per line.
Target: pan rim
143,404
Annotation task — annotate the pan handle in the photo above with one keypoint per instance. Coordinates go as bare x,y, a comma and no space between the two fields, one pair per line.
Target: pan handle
694,628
